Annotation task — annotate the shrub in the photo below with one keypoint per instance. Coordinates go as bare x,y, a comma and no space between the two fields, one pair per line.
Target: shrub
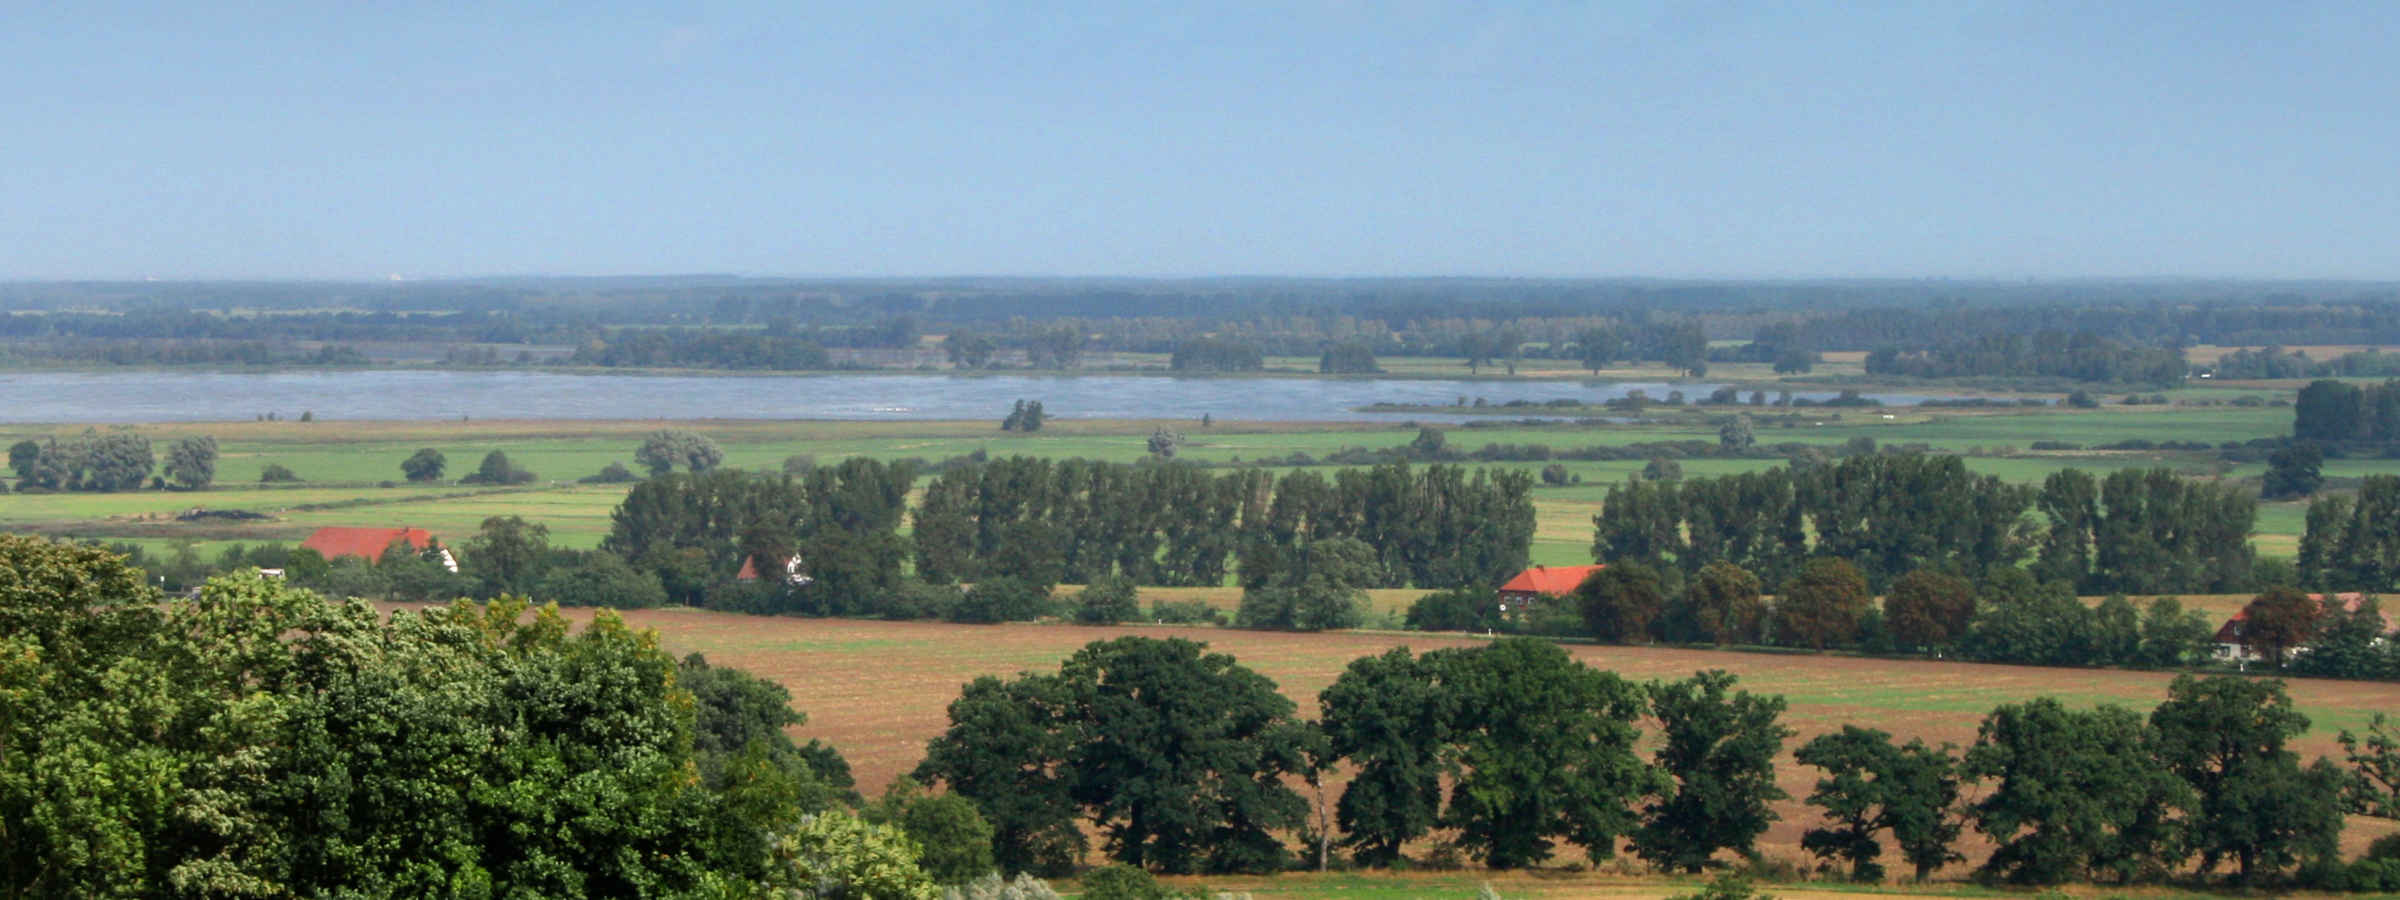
613,473
920,600
1002,599
1108,601
1456,609
277,473
1120,882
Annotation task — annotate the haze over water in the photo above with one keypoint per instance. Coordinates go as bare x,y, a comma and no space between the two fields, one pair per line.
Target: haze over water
149,396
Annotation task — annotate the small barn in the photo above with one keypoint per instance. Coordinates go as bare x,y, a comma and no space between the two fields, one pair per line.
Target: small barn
1535,584
337,541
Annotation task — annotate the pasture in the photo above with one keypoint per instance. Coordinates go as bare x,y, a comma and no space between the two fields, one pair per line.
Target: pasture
878,690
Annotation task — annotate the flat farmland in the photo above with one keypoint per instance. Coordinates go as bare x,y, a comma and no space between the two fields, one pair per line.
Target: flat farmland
352,468
877,690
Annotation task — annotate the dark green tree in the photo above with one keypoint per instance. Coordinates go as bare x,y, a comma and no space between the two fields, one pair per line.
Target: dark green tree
2079,794
2293,472
1596,347
192,462
1350,357
2173,636
1619,603
1182,757
1544,751
1872,786
424,465
1929,610
1723,605
1007,751
1389,717
1822,606
1720,752
956,841
666,450
1108,600
2225,737
508,555
497,469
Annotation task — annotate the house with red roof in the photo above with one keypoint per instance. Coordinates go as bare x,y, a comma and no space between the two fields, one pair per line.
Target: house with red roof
2231,647
337,541
1534,584
793,574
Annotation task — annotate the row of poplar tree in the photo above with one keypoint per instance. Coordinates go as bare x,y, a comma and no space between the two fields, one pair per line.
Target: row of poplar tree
1507,754
1892,513
1078,521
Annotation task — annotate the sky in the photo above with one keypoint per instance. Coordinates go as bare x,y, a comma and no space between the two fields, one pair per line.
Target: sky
1696,139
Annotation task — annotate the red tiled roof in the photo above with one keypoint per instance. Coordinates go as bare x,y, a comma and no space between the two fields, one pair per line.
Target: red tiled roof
1557,581
339,541
2231,631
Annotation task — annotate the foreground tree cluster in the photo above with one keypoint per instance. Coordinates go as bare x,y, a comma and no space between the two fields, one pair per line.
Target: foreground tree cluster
1184,761
258,740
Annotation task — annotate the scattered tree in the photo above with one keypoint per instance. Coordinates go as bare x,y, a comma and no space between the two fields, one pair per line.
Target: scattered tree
424,465
665,450
192,462
1720,751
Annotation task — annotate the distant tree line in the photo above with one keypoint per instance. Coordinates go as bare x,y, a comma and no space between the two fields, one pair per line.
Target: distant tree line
1213,354
2275,362
702,348
2078,356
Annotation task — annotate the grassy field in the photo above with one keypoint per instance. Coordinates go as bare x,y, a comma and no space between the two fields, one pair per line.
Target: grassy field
351,467
880,715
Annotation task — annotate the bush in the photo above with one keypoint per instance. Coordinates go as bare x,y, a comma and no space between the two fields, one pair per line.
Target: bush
1001,599
1108,601
600,578
1456,609
277,473
1120,882
989,886
2385,847
920,600
1728,886
613,473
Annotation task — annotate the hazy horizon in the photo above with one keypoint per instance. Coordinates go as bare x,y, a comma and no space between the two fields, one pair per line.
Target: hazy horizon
1672,141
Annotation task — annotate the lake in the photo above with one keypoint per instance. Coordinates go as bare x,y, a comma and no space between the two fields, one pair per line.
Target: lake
164,396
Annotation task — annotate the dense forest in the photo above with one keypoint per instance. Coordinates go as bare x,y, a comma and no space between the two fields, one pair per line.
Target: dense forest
2120,333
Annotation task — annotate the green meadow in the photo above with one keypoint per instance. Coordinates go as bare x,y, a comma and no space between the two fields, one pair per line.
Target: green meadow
352,474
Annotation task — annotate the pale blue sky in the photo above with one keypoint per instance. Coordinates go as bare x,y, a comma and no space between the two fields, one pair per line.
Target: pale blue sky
1708,139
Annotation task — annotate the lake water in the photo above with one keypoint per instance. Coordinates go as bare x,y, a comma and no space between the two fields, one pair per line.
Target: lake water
160,396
